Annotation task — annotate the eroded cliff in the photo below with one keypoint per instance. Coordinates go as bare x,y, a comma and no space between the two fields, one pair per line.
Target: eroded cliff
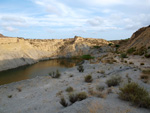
15,52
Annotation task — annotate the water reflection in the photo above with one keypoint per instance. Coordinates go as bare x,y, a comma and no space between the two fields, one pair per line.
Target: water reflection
38,69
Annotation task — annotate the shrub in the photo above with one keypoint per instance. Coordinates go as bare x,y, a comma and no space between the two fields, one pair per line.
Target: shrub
147,71
63,102
113,81
69,89
125,61
77,97
134,93
117,46
131,63
123,55
73,98
96,47
55,74
71,75
80,68
109,44
147,55
9,96
88,78
141,63
87,57
131,50
81,96
144,76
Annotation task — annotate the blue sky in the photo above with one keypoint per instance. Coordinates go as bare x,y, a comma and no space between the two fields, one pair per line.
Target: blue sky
57,19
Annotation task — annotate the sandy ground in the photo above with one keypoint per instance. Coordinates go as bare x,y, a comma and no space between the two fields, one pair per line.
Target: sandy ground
42,94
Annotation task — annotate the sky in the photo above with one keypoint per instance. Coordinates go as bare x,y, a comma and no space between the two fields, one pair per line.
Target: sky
59,19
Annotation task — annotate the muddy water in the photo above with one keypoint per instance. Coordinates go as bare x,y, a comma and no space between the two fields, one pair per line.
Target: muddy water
39,69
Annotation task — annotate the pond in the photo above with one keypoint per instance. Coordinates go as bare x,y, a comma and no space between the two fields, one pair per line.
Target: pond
39,69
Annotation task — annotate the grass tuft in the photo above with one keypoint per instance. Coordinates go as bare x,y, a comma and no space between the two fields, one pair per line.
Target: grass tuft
63,102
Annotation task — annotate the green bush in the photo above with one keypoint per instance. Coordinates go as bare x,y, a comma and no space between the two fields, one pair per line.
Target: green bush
96,47
113,81
134,93
55,74
131,50
87,57
63,102
123,55
69,89
88,78
80,68
147,55
117,46
110,44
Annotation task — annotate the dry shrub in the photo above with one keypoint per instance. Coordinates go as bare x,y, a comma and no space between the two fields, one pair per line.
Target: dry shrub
145,78
146,71
113,81
131,63
55,74
88,79
63,102
77,97
134,93
141,63
69,89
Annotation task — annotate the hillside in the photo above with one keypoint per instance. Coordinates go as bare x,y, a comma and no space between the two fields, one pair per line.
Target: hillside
16,52
139,39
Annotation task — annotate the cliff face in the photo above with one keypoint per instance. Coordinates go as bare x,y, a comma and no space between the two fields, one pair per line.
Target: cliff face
15,52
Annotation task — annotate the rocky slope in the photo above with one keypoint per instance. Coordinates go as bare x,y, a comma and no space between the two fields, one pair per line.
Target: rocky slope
139,39
16,52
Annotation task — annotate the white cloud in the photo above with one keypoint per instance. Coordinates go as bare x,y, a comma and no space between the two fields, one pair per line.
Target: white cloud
103,2
11,29
56,7
96,21
12,18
